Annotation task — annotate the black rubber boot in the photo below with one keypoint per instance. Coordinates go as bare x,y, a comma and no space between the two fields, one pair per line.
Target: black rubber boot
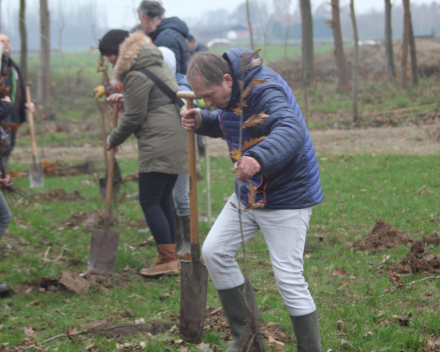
179,231
306,328
239,318
186,243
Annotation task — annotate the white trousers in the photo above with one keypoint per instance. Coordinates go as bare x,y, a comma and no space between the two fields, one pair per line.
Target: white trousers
284,231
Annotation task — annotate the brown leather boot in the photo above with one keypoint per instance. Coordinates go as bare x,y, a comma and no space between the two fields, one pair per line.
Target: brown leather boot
168,264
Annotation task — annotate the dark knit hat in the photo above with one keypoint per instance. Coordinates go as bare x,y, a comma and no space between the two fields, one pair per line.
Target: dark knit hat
111,40
190,37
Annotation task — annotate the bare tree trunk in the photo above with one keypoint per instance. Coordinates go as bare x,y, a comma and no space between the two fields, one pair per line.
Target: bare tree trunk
248,13
405,39
23,38
308,66
341,62
286,35
413,52
391,69
355,63
44,81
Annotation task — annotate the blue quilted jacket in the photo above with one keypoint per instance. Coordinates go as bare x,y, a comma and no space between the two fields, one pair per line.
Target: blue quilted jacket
171,33
289,175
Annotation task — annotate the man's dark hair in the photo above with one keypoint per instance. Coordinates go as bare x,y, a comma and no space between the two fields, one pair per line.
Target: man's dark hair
111,41
210,66
190,37
153,9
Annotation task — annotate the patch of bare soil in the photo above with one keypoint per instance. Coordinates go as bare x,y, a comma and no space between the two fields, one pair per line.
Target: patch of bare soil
71,281
433,239
76,282
64,155
382,235
153,327
57,194
92,220
55,169
415,140
418,260
215,319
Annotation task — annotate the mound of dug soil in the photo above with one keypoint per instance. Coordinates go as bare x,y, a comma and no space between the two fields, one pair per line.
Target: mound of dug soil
71,281
433,239
419,260
57,194
382,235
92,220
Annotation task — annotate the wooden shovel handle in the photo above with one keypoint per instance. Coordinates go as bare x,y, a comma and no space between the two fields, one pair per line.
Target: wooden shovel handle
30,116
102,107
194,212
110,169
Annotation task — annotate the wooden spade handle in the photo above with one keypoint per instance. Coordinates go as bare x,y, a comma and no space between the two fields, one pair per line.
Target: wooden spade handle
102,108
186,95
191,141
110,169
30,116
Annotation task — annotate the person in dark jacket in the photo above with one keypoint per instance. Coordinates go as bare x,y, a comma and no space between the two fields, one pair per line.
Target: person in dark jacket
13,80
277,181
168,32
6,108
194,46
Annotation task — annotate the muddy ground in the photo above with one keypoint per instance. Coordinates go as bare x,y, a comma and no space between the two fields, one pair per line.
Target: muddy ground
418,140
382,236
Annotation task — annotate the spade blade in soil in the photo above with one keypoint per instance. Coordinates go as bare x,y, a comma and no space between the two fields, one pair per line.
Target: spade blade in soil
193,300
36,175
103,250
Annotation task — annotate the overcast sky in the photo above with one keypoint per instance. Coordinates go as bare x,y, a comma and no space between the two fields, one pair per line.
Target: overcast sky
122,12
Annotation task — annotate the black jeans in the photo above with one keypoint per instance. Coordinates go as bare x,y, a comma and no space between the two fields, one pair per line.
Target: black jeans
155,197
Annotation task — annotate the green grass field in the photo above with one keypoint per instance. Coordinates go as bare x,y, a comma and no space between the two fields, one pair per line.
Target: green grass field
360,307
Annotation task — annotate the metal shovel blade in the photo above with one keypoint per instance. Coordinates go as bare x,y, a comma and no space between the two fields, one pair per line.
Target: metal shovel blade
36,175
103,250
194,283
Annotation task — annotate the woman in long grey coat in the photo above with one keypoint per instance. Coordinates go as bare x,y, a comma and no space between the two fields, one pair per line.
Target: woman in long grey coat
154,120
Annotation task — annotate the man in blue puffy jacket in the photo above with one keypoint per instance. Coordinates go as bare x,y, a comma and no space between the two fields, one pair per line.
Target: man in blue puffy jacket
277,181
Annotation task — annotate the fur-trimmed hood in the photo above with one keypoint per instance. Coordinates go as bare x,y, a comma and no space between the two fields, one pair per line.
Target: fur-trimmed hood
136,51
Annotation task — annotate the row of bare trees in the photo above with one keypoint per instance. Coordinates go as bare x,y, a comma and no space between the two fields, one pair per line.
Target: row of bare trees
308,70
